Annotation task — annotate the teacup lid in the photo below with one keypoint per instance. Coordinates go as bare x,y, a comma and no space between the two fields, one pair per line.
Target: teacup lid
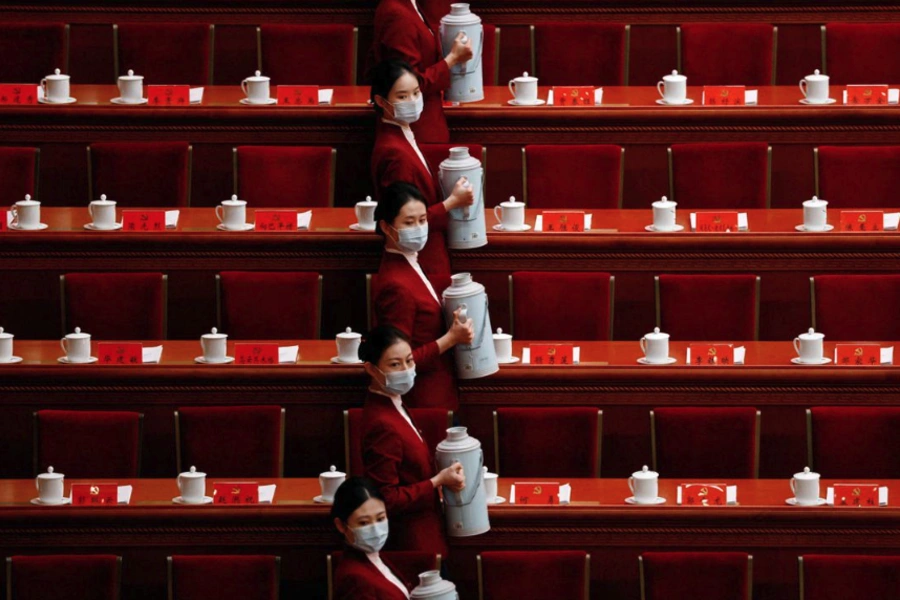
4,335
215,335
349,334
234,201
368,202
815,201
258,76
77,335
817,76
502,336
193,473
512,203
103,200
664,202
431,585
332,473
28,201
806,474
131,76
656,334
525,77
50,474
57,74
645,473
812,334
674,76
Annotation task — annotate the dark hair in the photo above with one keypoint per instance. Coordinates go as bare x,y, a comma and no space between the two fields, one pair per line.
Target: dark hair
392,199
384,76
378,341
352,494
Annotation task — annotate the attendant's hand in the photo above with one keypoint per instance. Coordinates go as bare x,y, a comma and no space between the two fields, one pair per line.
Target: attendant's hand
461,333
453,478
462,195
460,52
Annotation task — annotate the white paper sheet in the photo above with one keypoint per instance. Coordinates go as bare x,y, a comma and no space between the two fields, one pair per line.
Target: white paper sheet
539,222
266,494
325,96
152,355
742,221
288,354
740,353
891,220
751,96
124,494
576,355
196,95
172,218
9,218
303,219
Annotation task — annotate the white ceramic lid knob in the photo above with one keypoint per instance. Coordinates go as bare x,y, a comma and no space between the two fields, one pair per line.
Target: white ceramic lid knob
193,469
234,197
368,198
644,469
215,331
57,72
27,196
811,331
815,198
348,330
664,199
78,330
805,470
333,469
816,72
258,73
656,330
512,199
525,74
49,469
130,72
674,72
499,330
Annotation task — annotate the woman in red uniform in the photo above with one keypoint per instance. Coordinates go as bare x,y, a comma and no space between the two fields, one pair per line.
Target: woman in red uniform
402,33
395,456
406,298
397,98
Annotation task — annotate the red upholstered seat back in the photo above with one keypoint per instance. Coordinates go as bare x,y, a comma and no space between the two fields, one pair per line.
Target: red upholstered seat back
141,174
856,441
432,422
31,51
548,442
708,307
489,57
600,51
232,441
727,176
116,306
862,52
542,574
830,577
147,49
407,564
249,577
285,176
678,575
561,306
859,176
706,442
82,444
323,54
270,306
18,172
727,53
857,307
65,577
573,176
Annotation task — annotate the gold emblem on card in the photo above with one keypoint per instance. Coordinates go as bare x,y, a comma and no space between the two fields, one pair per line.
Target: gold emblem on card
95,490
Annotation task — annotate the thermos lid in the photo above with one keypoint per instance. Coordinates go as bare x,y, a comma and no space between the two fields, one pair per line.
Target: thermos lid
431,585
460,159
462,286
458,440
460,15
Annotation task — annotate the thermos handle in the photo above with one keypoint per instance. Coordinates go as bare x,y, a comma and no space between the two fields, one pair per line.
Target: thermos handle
476,61
479,329
463,313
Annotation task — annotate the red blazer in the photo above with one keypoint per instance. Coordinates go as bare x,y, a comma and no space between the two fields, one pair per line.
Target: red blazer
394,159
402,300
356,578
402,35
402,465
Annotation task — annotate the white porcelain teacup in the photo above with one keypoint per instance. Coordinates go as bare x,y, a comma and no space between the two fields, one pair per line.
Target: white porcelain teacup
644,484
815,88
673,88
56,87
103,213
348,342
664,214
810,346
524,89
27,213
805,486
655,346
490,486
503,346
815,214
365,214
232,213
256,88
330,481
214,346
511,214
6,346
131,87
77,346
50,486
192,485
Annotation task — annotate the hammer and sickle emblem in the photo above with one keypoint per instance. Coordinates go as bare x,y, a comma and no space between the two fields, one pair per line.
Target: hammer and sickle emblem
858,352
537,490
724,93
862,218
95,490
564,218
712,352
235,491
867,92
551,351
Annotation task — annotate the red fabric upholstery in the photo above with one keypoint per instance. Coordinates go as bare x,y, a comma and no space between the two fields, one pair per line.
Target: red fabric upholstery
116,306
601,53
270,306
543,574
862,52
146,48
308,54
829,577
65,577
725,176
67,440
285,176
859,176
857,307
405,564
435,154
708,307
490,60
249,577
232,441
31,51
548,442
856,441
706,442
18,172
432,423
679,575
141,174
727,53
573,176
561,306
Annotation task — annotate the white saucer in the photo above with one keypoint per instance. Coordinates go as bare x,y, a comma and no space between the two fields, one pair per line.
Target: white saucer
511,361
655,230
669,361
203,361
358,227
125,102
180,500
65,360
62,502
803,228
246,102
498,500
807,102
499,227
91,227
12,361
631,500
823,361
246,227
69,100
40,227
321,500
336,361
793,502
537,102
685,103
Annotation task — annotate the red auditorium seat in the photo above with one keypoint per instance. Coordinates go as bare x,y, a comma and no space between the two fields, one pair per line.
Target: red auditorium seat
856,308
64,577
705,442
851,441
303,54
271,305
147,49
231,441
851,177
573,176
679,575
861,52
544,307
548,442
115,306
285,176
141,174
19,172
67,440
728,53
838,577
708,307
726,175
405,564
534,574
490,54
602,53
32,51
248,577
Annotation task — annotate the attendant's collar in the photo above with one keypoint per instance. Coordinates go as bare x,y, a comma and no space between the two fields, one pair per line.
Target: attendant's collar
412,255
398,124
381,392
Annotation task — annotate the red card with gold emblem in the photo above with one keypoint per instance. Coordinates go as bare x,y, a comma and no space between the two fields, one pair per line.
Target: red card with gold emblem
255,354
723,95
704,494
113,353
95,494
236,492
276,220
298,95
716,222
858,355
168,95
867,95
143,220
537,492
18,93
552,354
862,220
712,355
563,221
573,96
856,494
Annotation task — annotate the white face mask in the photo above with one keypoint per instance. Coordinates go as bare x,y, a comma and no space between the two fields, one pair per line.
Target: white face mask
408,111
370,538
400,382
413,239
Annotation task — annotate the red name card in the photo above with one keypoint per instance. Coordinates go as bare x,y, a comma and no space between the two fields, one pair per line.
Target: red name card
704,494
563,221
236,492
551,354
712,355
862,220
856,494
276,220
867,94
95,494
717,222
18,93
112,353
3,224
144,220
723,95
537,492
256,354
168,95
573,96
298,95
858,355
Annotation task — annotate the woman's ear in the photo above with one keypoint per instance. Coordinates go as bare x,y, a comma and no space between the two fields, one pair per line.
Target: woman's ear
347,532
374,372
385,106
